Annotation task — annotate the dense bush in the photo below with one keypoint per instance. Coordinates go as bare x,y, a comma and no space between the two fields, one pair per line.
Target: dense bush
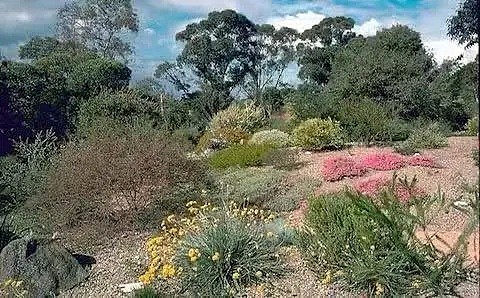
227,257
283,159
310,101
429,136
110,182
364,120
397,130
237,122
317,134
110,112
274,137
372,248
240,156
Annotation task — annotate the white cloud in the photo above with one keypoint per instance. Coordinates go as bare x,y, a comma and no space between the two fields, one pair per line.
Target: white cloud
149,31
300,21
368,28
447,49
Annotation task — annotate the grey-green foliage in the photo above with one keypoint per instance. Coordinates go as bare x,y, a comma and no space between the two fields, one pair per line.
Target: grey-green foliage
371,247
22,175
265,187
425,136
242,249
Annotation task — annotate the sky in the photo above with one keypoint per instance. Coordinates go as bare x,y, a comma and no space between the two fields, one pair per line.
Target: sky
20,20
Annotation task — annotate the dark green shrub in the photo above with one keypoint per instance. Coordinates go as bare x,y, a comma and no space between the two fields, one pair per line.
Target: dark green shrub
364,120
317,134
245,155
397,130
231,256
371,247
310,101
7,233
111,112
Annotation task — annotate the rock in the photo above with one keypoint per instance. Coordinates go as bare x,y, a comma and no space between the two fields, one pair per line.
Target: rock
128,288
43,265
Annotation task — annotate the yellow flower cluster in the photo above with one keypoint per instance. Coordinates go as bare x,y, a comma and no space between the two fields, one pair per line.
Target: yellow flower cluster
328,278
379,289
12,288
193,254
249,214
162,248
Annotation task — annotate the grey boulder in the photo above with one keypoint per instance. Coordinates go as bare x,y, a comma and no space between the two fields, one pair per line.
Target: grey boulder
44,266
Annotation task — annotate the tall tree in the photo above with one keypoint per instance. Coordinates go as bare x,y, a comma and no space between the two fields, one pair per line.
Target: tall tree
218,49
319,46
99,25
274,50
392,66
464,25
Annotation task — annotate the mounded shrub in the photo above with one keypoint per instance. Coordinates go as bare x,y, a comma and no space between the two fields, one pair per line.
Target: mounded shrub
274,137
110,182
317,134
429,136
265,187
245,155
238,122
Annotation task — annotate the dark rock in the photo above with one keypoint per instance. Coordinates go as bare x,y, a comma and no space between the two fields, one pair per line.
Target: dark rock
44,266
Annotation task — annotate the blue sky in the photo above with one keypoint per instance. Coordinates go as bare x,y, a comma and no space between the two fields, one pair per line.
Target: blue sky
161,19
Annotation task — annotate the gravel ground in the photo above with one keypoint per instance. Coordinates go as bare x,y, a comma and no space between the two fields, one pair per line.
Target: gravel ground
123,259
118,262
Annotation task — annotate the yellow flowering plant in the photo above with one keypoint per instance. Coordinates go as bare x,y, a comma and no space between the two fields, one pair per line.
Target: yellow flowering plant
214,250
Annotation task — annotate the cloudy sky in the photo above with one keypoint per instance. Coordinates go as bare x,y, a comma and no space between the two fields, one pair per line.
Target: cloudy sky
161,19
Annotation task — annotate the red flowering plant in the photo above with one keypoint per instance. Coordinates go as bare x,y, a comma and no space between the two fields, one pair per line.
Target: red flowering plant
382,161
338,167
401,188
